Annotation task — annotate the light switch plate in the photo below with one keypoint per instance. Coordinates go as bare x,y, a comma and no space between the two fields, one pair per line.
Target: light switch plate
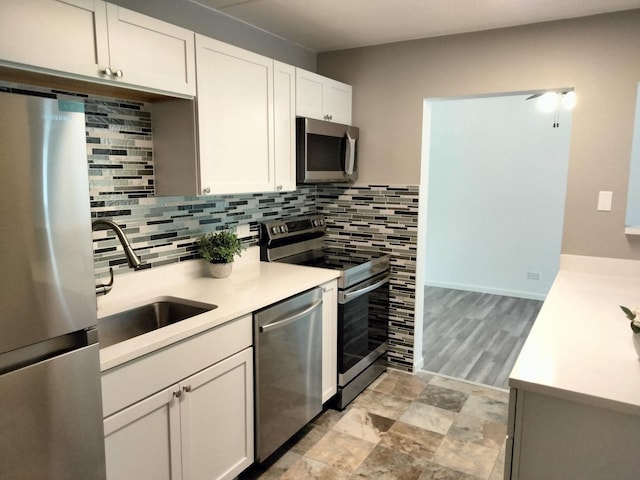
605,199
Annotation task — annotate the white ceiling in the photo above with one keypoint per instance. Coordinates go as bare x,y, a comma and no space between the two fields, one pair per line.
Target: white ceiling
323,25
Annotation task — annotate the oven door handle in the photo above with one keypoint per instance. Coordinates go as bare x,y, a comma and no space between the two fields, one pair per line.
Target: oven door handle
285,321
347,297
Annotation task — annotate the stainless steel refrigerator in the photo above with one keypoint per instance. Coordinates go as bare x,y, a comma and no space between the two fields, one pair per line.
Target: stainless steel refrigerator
50,398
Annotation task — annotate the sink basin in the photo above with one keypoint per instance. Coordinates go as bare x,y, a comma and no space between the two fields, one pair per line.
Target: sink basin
146,318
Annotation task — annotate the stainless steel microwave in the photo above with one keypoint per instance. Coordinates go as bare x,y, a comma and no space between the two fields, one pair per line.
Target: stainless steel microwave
326,152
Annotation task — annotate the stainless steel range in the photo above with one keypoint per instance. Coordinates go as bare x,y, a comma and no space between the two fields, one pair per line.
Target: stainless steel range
363,296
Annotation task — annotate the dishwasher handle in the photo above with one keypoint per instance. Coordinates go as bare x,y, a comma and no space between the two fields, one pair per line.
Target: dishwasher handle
291,319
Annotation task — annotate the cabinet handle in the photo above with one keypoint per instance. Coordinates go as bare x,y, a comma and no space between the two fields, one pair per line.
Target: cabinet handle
186,388
330,117
177,393
119,73
107,71
206,191
279,187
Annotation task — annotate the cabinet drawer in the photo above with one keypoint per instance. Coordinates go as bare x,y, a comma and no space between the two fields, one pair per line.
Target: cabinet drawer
135,380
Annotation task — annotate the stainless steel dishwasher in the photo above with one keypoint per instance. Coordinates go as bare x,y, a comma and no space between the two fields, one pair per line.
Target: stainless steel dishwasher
288,369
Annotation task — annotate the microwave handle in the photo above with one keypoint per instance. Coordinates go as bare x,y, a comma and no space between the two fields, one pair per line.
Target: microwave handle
350,155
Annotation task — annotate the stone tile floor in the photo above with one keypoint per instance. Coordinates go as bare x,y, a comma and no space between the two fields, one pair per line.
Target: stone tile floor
403,427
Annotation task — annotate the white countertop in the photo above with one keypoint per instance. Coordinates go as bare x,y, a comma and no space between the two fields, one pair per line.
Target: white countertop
580,347
251,286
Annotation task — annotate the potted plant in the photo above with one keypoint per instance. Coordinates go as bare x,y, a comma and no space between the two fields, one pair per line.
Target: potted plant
218,250
632,315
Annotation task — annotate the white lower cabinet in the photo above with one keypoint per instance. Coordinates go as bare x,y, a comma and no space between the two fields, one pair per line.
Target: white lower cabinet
217,419
184,412
552,438
143,441
329,340
199,428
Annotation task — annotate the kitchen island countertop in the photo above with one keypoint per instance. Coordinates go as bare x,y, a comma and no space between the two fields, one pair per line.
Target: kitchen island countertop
251,286
580,347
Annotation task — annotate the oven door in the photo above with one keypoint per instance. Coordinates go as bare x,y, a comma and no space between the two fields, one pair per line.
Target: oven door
363,326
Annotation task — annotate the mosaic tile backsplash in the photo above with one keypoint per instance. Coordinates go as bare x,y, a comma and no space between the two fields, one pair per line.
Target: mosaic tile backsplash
382,218
163,230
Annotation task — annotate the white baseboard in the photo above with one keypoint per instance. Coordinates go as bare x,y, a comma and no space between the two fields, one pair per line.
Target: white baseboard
418,362
483,289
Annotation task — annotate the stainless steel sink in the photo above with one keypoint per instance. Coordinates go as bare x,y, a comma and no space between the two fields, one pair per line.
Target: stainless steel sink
146,318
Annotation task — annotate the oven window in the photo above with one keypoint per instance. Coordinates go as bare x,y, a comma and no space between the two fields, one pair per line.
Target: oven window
363,325
325,153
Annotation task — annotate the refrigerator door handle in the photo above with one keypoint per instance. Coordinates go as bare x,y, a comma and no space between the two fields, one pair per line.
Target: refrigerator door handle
38,352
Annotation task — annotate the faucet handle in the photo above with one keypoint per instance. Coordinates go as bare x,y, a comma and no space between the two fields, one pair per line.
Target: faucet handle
104,288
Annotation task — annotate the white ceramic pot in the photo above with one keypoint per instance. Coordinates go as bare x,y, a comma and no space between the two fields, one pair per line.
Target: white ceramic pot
220,270
636,343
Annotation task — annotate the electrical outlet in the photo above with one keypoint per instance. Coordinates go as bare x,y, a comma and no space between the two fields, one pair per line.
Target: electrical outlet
533,275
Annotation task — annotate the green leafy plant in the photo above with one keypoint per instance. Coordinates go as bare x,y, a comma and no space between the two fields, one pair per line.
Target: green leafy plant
632,315
219,247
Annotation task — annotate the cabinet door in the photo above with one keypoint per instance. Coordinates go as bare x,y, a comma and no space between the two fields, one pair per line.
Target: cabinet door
235,118
309,91
150,52
217,419
329,340
337,101
322,98
66,36
284,99
142,442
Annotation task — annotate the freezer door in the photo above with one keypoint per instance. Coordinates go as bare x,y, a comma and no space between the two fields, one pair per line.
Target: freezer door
51,419
46,279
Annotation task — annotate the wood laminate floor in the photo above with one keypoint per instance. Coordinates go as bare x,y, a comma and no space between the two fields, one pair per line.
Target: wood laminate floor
475,336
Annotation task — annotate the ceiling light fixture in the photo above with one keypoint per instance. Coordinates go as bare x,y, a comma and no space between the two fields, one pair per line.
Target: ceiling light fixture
548,102
568,100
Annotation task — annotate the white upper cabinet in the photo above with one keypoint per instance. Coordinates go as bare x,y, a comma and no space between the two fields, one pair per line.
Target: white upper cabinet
284,98
322,98
235,118
150,52
67,36
96,40
245,123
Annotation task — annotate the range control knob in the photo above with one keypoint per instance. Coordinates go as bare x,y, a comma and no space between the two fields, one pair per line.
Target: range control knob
274,229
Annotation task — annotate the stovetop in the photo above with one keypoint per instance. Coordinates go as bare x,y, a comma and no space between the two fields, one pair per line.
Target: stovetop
354,267
300,241
338,259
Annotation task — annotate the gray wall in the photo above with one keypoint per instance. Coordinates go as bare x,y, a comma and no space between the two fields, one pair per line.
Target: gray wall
221,27
597,55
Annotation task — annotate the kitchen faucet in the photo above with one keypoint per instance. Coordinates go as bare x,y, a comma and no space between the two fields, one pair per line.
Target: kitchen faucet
132,259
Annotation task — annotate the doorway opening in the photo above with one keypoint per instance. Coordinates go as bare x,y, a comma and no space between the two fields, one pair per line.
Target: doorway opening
494,176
